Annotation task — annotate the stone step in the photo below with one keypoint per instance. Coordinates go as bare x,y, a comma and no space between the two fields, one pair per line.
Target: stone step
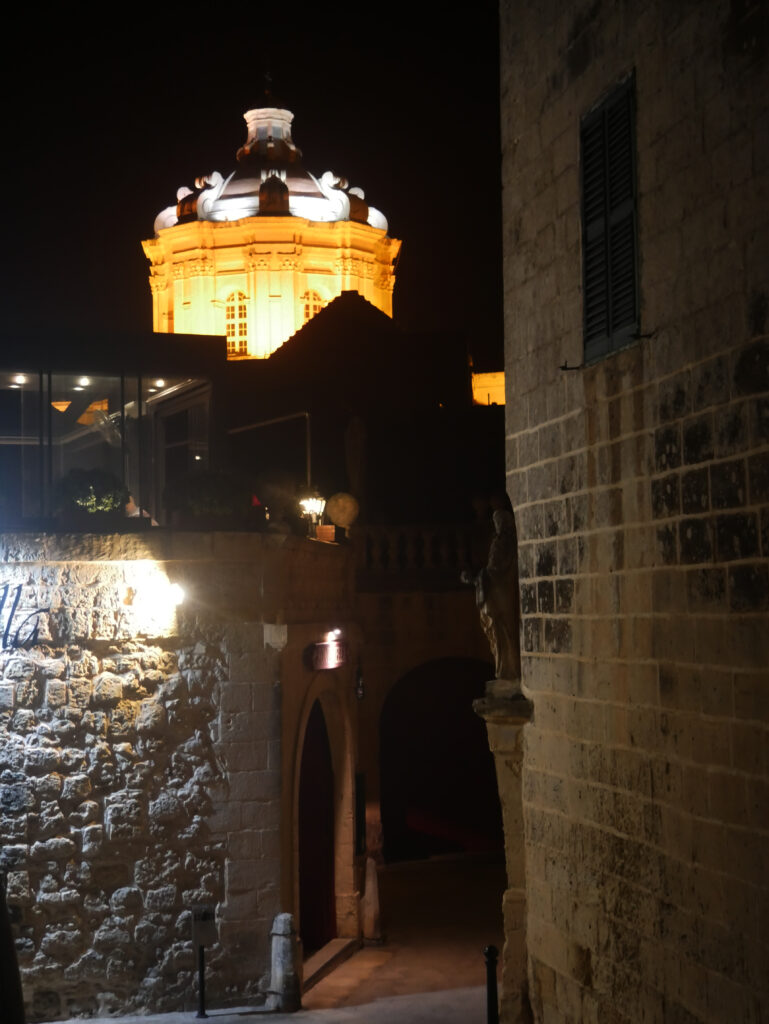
326,959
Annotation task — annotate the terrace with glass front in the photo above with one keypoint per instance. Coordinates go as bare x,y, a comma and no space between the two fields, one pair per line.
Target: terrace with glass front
101,425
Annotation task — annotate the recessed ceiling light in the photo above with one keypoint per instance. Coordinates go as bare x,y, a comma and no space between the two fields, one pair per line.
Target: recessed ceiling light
84,382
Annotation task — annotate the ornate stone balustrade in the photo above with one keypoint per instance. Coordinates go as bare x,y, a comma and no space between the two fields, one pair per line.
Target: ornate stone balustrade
416,557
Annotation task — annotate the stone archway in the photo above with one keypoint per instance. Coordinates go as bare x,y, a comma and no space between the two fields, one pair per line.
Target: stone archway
438,786
317,891
325,899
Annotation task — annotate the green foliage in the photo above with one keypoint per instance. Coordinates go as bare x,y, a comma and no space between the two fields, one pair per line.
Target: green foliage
92,491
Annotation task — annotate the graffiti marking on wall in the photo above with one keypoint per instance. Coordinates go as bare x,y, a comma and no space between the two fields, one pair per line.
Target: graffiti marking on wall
16,637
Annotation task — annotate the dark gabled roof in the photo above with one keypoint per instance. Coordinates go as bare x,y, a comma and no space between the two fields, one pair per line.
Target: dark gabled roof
351,358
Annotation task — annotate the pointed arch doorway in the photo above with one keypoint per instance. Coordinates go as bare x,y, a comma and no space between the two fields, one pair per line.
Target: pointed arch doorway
317,891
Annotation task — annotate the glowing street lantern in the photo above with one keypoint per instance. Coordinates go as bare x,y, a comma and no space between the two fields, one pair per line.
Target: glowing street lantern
313,507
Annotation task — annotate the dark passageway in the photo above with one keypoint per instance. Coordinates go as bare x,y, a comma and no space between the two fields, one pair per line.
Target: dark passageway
316,836
438,783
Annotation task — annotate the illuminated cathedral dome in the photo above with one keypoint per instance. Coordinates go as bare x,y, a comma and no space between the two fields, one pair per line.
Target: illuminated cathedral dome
269,155
257,253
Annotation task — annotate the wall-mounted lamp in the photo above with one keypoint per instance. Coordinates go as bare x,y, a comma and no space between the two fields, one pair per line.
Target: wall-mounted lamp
149,601
327,654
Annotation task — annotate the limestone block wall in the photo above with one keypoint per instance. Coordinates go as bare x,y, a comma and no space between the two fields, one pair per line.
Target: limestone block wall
641,488
140,758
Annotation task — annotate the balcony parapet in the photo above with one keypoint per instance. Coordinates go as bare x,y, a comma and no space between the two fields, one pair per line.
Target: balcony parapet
415,557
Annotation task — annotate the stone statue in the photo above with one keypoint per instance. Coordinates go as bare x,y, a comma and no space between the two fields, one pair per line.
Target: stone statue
497,595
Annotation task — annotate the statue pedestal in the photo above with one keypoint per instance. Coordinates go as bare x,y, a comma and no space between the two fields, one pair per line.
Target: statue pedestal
507,689
506,711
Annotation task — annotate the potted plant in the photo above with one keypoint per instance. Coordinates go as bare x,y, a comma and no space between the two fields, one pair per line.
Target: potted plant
91,499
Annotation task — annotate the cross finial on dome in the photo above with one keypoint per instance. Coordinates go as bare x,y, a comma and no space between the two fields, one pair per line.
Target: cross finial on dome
268,98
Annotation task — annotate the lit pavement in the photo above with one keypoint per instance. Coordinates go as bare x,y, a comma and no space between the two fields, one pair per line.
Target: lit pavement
437,916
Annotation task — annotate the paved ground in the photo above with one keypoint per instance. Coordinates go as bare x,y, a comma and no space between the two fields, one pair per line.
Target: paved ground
457,1006
437,916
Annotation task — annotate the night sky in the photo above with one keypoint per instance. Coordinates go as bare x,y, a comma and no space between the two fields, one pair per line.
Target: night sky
105,121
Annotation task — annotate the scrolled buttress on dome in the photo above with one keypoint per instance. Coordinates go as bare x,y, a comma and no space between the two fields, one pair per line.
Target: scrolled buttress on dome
192,204
270,181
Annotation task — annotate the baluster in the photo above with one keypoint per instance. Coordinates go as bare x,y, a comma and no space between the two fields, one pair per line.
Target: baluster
403,554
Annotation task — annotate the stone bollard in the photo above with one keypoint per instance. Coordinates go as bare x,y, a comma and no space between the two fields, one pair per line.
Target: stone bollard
285,992
372,931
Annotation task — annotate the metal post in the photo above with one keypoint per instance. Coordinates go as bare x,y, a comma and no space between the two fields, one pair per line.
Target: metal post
201,982
308,448
492,1007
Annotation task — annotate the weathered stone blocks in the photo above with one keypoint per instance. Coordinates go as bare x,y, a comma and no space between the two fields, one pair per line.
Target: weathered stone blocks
18,890
152,718
166,808
27,690
642,853
92,839
63,943
163,898
7,696
113,933
110,762
16,795
57,848
107,690
127,899
41,760
124,815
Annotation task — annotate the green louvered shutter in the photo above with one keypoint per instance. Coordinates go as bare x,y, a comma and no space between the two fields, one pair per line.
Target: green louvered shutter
609,229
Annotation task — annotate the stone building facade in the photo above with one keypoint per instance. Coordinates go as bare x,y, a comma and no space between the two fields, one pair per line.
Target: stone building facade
635,176
150,753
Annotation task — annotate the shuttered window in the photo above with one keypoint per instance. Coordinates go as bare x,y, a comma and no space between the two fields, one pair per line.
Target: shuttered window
609,224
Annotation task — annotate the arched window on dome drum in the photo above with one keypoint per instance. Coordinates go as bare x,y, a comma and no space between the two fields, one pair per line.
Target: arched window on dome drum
313,304
236,324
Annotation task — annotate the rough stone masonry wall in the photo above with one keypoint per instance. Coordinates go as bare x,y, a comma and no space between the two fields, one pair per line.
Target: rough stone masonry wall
105,772
641,486
139,762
